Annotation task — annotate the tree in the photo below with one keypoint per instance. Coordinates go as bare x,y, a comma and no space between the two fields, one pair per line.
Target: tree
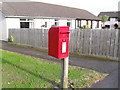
104,19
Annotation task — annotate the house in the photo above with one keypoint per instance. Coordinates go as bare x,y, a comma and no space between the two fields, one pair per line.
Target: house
113,19
43,15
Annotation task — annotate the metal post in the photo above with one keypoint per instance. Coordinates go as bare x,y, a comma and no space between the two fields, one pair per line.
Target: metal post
64,73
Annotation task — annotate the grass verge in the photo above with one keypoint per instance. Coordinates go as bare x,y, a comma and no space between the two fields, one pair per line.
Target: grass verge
21,71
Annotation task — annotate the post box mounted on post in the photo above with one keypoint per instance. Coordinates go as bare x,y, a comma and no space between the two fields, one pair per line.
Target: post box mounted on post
58,41
58,46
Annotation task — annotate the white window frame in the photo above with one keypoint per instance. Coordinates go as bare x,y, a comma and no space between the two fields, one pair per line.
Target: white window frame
57,22
69,21
30,21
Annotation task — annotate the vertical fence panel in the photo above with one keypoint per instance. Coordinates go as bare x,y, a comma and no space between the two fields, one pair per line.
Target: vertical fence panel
88,41
101,42
37,38
116,44
92,43
45,38
79,40
112,43
83,42
97,33
108,42
72,42
104,39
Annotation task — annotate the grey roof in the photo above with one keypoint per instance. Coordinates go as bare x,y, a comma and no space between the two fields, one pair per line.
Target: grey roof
44,9
110,14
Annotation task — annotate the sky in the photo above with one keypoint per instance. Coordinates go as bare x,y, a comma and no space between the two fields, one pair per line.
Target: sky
93,6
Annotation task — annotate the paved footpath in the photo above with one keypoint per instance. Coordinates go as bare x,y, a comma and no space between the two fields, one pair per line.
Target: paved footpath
111,68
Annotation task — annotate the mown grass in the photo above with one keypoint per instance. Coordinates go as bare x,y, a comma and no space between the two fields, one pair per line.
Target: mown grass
21,71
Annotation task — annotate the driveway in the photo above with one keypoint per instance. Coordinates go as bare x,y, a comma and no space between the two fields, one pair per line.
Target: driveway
102,66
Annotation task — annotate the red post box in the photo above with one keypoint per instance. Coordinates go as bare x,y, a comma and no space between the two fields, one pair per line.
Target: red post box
58,41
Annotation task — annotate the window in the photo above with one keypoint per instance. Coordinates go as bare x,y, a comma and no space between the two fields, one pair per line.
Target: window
107,26
69,23
22,19
113,19
78,23
30,19
45,24
56,22
26,23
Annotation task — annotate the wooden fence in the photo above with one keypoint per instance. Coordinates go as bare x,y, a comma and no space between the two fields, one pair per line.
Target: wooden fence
100,43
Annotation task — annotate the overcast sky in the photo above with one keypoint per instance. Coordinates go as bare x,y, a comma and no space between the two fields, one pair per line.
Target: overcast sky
93,6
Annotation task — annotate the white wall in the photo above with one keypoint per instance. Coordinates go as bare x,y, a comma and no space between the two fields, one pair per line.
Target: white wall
13,23
119,24
94,24
39,22
100,24
0,26
111,22
83,22
3,29
7,23
73,24
89,23
63,22
10,23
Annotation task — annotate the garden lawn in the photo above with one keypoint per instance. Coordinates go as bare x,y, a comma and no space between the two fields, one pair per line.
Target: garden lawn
21,71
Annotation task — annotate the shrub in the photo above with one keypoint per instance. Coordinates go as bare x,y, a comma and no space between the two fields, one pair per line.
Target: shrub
85,27
43,26
11,39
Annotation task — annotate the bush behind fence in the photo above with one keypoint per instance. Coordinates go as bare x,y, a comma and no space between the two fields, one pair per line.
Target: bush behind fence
96,42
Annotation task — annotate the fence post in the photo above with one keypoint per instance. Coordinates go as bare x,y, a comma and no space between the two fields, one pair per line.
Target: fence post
64,73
